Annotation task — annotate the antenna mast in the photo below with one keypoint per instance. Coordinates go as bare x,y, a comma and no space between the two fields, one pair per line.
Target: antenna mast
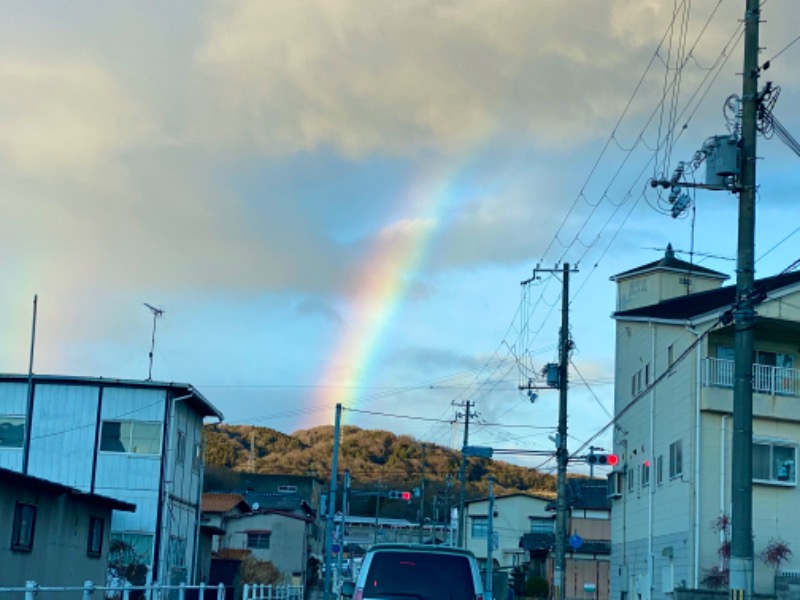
157,312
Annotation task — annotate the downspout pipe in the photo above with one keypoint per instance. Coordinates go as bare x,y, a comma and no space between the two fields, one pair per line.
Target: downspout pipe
651,482
696,485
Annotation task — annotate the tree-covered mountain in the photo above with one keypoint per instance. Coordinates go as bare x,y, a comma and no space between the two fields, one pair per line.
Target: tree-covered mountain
373,458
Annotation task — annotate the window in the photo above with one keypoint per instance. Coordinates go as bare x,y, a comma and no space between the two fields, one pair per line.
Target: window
287,489
24,525
94,546
660,469
647,374
131,547
646,473
631,479
541,525
633,385
134,437
670,355
480,528
12,431
258,540
676,459
197,458
774,462
639,381
180,450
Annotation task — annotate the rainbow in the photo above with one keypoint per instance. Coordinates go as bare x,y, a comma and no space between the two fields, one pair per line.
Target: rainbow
379,286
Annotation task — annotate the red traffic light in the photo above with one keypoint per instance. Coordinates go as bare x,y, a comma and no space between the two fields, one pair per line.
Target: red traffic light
405,496
613,459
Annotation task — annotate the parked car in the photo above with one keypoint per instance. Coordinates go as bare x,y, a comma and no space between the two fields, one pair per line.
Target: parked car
416,571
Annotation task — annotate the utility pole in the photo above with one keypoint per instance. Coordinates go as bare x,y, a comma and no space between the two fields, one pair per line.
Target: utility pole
26,451
462,477
345,492
332,503
561,443
489,540
741,559
422,497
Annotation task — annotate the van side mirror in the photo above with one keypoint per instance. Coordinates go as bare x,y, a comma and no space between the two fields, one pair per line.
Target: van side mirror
348,589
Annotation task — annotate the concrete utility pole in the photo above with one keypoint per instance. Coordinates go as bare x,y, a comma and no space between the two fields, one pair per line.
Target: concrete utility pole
741,559
489,540
462,477
422,496
561,442
332,504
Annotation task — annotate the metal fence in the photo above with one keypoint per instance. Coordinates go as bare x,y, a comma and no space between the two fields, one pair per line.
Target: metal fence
767,379
87,591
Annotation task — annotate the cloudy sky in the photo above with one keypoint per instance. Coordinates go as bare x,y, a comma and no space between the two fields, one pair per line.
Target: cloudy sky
336,200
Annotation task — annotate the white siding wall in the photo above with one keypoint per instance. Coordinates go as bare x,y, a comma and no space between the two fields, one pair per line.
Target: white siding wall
63,434
13,401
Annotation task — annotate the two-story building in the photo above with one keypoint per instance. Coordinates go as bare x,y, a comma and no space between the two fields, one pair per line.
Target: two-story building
135,441
673,405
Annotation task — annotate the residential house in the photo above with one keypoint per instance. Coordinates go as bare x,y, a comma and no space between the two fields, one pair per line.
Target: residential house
136,441
673,404
588,543
514,516
53,534
274,528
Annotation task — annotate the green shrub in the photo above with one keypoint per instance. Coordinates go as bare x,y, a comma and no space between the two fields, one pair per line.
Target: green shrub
537,587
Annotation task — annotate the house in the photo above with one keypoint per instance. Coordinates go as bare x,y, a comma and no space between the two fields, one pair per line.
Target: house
274,528
588,543
53,534
673,404
139,442
514,516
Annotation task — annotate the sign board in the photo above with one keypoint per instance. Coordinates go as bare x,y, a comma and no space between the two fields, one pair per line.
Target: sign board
335,549
575,541
495,540
589,588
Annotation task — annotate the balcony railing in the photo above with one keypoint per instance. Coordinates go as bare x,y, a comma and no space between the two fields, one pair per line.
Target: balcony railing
778,381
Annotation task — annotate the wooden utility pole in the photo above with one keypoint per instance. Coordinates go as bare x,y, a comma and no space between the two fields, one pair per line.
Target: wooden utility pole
462,477
741,557
332,505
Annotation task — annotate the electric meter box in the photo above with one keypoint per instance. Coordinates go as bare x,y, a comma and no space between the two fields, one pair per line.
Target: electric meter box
722,159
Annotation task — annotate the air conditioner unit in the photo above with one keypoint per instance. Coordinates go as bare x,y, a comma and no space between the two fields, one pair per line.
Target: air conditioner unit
615,484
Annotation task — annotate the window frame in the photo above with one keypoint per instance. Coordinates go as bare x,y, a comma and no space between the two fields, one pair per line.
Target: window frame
541,521
259,540
645,474
631,476
128,444
660,469
19,544
479,528
94,541
676,459
772,466
197,457
10,419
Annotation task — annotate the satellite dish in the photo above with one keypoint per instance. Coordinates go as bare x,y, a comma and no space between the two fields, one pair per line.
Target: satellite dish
256,506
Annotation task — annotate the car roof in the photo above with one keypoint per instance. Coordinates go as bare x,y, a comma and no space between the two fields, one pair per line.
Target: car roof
422,548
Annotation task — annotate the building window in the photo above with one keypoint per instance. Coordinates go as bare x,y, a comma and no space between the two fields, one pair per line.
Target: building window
646,473
660,469
774,463
631,479
541,525
180,449
131,548
287,489
670,355
12,431
647,374
258,540
24,526
94,546
480,528
133,437
676,459
197,458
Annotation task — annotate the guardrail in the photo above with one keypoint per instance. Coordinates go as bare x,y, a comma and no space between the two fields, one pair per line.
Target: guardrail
122,592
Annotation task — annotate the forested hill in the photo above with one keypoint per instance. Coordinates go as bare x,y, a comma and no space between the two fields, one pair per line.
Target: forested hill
371,456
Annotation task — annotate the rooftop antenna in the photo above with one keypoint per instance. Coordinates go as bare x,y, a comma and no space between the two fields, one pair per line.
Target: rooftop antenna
157,312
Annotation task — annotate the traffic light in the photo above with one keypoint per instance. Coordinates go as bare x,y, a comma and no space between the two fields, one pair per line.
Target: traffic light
602,459
399,495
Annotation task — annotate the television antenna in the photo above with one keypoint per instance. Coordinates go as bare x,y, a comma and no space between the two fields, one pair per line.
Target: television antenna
157,312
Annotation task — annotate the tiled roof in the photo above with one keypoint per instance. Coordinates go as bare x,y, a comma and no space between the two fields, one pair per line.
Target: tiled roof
222,503
702,303
670,263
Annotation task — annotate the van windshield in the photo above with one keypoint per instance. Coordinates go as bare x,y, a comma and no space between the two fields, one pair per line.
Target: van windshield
419,575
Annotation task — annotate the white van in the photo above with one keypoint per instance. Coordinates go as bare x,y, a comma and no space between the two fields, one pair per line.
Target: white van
417,571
